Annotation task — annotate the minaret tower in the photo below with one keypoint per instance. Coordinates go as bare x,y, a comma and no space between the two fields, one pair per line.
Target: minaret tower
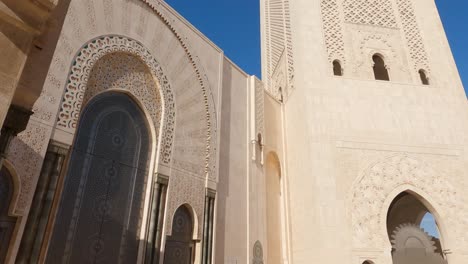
373,128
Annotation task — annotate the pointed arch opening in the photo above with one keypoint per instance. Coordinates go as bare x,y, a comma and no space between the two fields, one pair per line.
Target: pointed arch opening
413,231
274,210
380,68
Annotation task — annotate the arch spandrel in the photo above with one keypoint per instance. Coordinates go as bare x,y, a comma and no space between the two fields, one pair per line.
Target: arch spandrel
373,192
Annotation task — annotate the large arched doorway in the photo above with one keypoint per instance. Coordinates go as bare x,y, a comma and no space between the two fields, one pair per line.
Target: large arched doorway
413,232
179,245
273,201
7,222
100,211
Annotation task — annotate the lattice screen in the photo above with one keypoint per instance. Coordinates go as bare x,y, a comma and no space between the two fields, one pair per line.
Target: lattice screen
370,12
333,31
413,37
278,36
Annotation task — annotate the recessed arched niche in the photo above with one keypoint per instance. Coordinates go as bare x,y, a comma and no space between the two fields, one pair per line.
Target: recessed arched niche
273,208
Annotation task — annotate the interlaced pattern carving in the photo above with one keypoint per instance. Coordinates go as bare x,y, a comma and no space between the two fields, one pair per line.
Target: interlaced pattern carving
370,12
78,81
333,31
413,37
372,189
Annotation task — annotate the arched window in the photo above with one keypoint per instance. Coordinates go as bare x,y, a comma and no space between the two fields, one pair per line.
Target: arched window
337,69
380,69
423,76
368,262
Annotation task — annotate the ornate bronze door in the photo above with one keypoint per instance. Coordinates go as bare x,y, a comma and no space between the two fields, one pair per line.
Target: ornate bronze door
7,223
179,246
100,211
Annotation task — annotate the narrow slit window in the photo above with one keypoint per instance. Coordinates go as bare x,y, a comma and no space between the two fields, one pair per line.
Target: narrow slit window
380,69
337,69
423,76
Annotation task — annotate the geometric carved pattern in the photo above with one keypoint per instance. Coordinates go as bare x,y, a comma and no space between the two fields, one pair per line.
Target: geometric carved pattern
333,31
413,37
372,189
370,12
26,154
77,85
259,107
124,71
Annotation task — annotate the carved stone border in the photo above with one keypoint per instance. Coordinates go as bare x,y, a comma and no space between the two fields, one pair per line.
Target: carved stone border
210,166
370,194
82,65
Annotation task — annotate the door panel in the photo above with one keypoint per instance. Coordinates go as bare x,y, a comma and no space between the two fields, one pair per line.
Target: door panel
100,211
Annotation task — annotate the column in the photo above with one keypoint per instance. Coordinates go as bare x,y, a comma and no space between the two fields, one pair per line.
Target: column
155,225
208,227
38,217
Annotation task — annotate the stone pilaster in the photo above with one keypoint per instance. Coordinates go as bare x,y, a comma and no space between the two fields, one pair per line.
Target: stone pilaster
38,218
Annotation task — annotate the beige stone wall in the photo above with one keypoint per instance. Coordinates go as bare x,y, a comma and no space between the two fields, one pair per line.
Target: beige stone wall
340,131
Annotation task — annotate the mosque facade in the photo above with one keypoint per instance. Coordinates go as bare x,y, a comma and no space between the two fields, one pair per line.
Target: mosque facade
129,137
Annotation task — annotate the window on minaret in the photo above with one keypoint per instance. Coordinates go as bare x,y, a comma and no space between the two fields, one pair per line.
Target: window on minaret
423,76
380,69
337,69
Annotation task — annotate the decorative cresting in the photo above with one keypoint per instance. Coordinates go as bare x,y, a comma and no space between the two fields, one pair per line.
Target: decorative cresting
210,167
333,30
257,253
410,244
417,50
404,232
370,12
77,85
371,190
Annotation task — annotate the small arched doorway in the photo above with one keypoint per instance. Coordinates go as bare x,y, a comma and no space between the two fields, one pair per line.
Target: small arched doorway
413,232
100,211
7,222
273,207
179,245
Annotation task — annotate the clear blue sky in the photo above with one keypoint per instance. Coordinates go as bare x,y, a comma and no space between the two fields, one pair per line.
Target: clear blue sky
234,27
